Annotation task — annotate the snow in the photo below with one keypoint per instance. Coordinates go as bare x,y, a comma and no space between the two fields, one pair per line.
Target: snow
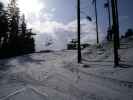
57,76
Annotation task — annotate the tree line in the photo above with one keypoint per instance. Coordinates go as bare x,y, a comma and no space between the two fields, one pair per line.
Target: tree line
15,38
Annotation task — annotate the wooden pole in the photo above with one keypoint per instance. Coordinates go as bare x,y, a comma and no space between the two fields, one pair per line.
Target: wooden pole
97,34
78,31
117,20
114,18
109,17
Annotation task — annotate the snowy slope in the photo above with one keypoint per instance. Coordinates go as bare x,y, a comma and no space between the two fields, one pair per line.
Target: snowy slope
57,76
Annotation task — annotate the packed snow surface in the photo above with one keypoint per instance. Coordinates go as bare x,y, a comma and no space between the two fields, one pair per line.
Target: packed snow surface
57,76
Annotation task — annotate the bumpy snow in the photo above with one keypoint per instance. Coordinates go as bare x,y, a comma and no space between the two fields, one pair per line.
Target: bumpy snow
57,76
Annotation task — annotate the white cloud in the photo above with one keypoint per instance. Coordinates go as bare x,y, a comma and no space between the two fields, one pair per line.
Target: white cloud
29,7
4,1
61,33
47,28
86,26
53,9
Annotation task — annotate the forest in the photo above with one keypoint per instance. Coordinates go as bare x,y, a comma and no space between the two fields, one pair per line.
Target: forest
15,37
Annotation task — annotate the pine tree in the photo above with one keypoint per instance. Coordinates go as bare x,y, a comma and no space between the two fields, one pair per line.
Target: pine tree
129,33
27,44
15,38
3,31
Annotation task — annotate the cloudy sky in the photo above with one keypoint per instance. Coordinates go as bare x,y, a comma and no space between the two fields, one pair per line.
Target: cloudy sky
55,20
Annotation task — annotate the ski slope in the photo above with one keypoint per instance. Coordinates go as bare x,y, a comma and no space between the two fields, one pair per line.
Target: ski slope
57,76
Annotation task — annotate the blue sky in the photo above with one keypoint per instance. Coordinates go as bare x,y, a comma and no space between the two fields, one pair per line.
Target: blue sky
126,15
56,20
66,12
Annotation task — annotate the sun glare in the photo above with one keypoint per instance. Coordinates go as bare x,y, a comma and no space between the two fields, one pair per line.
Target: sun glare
29,6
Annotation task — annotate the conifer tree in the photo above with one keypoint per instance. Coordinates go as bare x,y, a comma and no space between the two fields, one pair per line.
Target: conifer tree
3,30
